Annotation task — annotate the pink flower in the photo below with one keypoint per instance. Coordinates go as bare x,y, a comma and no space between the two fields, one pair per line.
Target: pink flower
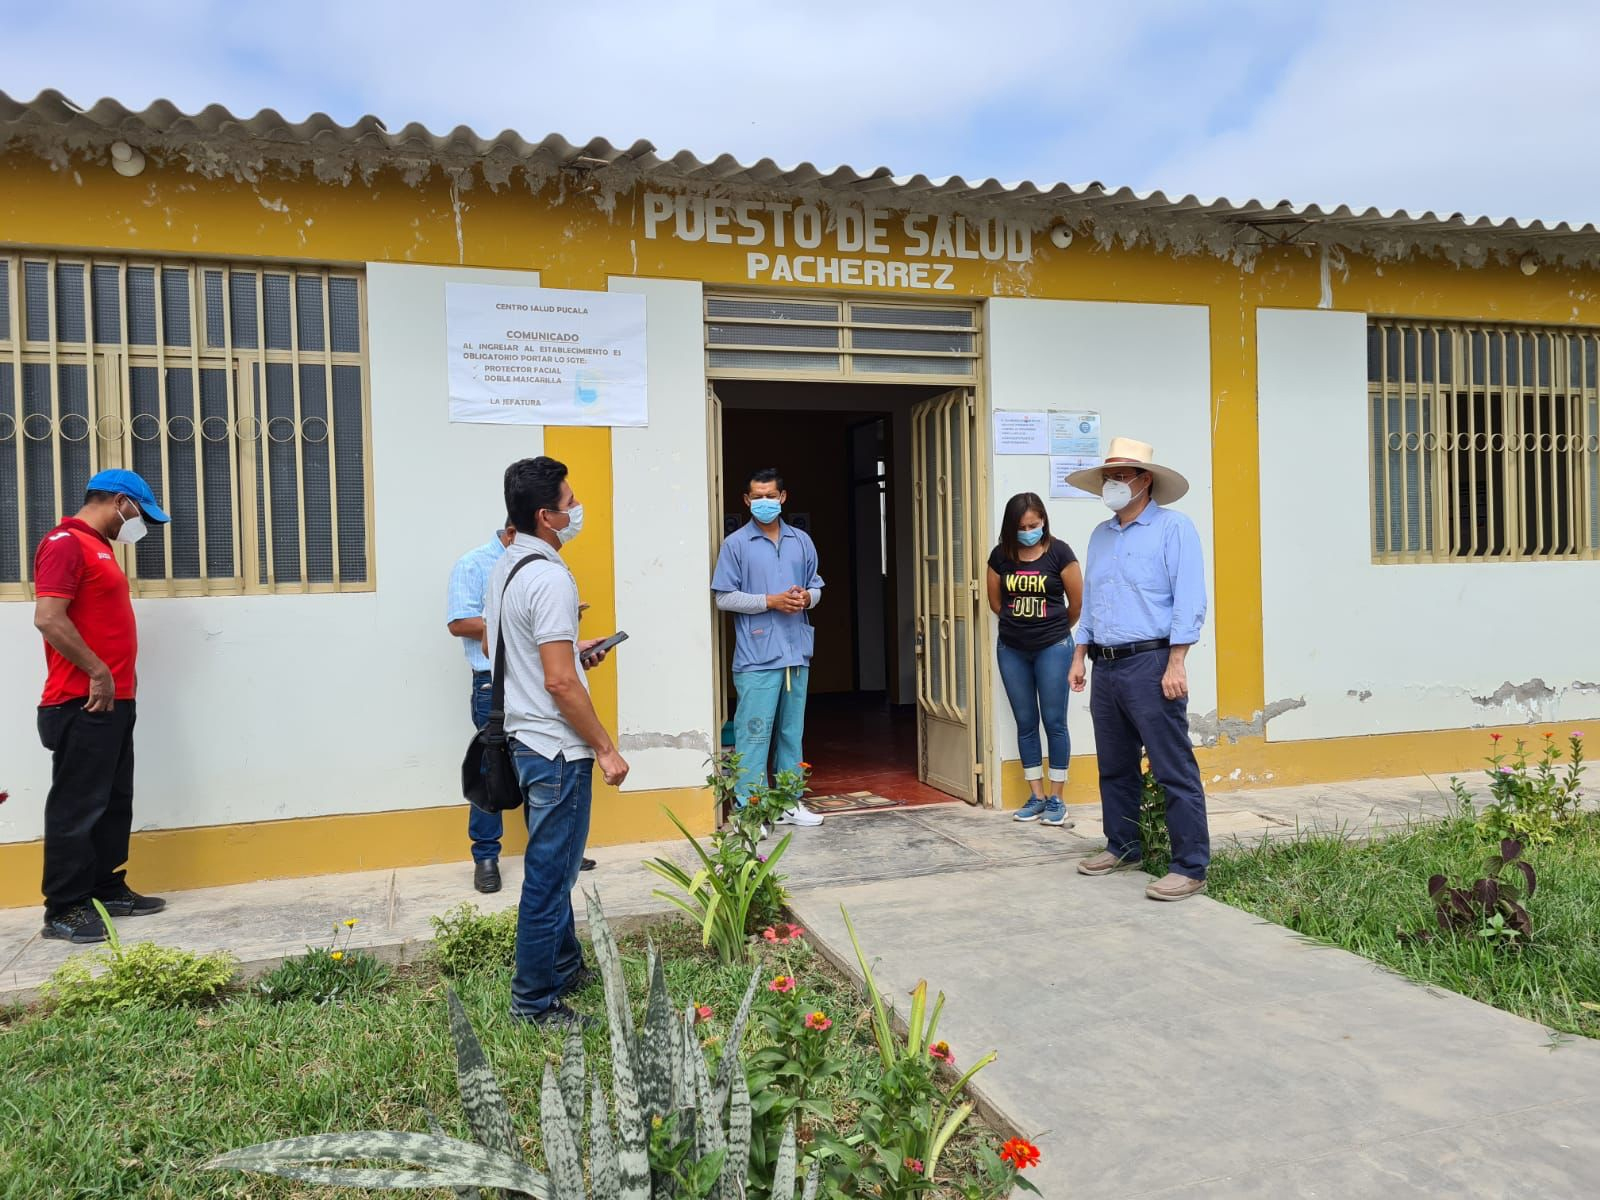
1507,771
770,934
702,1012
4,796
940,1052
818,1021
1577,736
783,984
914,1165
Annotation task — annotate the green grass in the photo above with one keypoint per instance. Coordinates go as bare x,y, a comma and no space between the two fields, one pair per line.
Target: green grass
129,1105
1359,895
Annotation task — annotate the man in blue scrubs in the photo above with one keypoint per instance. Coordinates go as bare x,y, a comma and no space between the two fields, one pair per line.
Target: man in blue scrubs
767,577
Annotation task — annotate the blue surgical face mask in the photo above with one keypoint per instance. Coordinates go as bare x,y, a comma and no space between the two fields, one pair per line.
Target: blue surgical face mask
766,511
1030,537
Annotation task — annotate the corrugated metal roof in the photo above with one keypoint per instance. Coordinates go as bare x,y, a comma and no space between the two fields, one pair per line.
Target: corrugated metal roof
215,141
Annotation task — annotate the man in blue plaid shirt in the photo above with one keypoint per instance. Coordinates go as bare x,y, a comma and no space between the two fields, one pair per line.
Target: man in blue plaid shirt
465,621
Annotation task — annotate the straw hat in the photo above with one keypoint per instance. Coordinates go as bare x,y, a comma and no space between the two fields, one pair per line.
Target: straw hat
1166,485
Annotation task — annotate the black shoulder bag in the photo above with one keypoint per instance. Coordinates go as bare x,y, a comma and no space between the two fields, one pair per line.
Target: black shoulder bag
488,776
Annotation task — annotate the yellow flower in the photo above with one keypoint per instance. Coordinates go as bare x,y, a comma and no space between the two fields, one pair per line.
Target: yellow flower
336,955
350,924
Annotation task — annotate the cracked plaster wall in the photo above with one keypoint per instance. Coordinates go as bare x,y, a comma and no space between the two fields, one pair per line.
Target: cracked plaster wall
1360,648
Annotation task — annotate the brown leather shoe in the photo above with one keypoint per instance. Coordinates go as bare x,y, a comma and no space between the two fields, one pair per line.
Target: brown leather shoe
1175,887
1105,863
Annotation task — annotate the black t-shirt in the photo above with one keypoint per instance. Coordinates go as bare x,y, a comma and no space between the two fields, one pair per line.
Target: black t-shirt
1033,600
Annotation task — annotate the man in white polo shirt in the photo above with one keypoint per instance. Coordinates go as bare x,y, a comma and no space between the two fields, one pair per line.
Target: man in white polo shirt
556,736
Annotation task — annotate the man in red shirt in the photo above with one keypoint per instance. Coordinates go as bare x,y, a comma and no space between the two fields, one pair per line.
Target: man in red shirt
86,714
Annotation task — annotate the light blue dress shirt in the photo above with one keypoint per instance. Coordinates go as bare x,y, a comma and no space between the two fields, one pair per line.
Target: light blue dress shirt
750,561
1143,581
468,580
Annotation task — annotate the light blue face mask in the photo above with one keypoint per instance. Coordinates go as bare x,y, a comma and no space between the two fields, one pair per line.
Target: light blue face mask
766,511
1030,537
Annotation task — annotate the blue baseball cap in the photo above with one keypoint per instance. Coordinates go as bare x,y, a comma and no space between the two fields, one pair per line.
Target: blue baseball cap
132,485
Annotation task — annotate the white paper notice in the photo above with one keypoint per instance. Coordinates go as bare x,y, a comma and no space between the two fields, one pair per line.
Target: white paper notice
1021,432
538,356
1075,433
1062,465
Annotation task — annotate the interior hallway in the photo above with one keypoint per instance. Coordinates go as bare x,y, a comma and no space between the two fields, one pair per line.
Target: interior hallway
857,742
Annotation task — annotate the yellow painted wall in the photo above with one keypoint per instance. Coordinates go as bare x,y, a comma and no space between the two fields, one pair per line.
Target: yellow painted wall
576,238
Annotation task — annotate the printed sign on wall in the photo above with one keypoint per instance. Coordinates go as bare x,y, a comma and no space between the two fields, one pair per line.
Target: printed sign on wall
539,356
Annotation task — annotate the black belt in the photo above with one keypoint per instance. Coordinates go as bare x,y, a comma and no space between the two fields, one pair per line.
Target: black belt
1112,653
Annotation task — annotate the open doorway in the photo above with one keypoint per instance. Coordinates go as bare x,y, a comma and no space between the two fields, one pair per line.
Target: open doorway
847,455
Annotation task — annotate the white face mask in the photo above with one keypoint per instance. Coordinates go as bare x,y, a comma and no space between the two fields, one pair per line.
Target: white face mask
133,528
1116,494
574,525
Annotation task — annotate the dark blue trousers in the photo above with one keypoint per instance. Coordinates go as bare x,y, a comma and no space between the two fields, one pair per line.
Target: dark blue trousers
1133,718
484,828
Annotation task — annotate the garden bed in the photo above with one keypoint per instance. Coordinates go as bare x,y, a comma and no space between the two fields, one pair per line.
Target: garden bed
130,1103
1364,895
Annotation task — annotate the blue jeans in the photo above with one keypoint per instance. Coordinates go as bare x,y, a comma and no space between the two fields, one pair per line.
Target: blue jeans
1036,685
1132,716
556,795
484,828
772,706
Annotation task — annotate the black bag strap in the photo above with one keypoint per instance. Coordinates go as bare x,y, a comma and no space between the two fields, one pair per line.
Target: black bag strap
497,696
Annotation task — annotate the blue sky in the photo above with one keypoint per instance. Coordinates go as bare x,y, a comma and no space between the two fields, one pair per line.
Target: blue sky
1465,106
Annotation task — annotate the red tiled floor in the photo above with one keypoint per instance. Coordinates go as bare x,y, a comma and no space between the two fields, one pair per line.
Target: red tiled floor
858,743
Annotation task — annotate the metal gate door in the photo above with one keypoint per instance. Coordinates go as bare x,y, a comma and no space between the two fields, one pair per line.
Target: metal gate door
947,595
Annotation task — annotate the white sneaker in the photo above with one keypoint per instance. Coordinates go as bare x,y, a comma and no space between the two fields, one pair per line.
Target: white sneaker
800,815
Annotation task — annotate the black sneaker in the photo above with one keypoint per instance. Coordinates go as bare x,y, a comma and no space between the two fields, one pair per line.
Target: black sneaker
581,978
557,1016
486,875
125,902
586,865
80,924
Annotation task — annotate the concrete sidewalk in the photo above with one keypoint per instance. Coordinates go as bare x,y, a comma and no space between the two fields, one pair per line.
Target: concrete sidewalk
262,923
1192,1050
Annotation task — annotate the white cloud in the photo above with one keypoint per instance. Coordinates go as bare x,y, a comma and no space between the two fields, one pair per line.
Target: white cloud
1454,106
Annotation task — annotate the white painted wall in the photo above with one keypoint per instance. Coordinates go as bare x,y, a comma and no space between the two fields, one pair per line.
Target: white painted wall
1147,369
663,561
1386,649
259,708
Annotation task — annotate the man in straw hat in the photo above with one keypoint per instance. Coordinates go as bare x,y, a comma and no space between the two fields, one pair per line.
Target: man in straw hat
1144,602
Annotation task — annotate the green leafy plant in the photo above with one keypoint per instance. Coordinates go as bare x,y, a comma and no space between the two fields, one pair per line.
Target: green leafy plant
1001,1172
736,889
324,974
906,1113
466,940
1154,841
1532,798
788,1073
1492,907
678,1129
143,975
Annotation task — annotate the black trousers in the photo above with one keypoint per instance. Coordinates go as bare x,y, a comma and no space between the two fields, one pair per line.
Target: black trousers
89,811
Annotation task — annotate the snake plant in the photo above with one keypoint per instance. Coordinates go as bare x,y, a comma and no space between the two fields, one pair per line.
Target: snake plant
658,1074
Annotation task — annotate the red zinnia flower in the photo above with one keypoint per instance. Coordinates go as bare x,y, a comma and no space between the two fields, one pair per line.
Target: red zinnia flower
940,1051
818,1021
1020,1154
1548,736
1494,737
702,1013
783,983
770,933
4,796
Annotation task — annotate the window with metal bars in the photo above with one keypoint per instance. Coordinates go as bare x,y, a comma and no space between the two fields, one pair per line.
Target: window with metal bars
239,392
766,337
1485,441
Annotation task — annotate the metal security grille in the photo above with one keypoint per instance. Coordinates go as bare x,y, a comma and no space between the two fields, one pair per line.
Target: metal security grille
762,337
1485,441
238,392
